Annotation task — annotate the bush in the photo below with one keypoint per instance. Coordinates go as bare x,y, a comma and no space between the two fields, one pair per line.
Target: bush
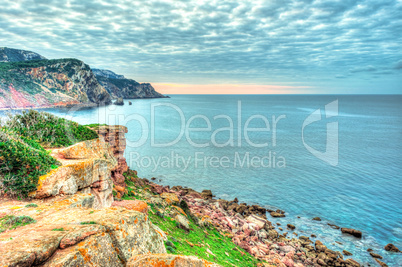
49,130
22,162
10,222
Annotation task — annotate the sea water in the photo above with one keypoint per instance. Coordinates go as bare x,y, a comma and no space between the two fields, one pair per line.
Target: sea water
337,157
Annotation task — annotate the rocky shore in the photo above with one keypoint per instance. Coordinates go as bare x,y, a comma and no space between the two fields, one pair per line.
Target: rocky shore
249,228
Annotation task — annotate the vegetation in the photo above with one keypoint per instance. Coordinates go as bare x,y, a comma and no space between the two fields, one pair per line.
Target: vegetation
10,222
31,205
22,156
22,162
95,125
91,222
49,130
204,242
58,229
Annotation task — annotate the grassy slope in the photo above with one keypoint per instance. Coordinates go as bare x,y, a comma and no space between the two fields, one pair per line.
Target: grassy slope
197,240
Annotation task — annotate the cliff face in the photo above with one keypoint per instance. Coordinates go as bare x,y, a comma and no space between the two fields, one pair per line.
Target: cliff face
46,83
13,55
119,86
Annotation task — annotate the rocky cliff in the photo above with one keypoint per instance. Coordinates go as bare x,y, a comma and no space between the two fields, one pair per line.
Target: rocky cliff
13,55
44,83
73,220
119,86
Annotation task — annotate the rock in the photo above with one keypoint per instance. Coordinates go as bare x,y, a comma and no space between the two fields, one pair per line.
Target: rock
352,262
319,246
86,166
291,226
119,101
112,236
346,253
391,247
277,215
130,103
206,194
374,255
313,236
334,226
136,205
316,219
183,222
170,198
353,232
380,263
150,260
260,222
369,250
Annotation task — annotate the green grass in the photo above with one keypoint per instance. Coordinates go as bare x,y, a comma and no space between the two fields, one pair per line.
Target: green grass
10,222
226,253
95,125
31,205
91,222
58,229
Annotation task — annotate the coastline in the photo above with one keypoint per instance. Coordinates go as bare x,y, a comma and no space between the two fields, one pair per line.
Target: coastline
252,228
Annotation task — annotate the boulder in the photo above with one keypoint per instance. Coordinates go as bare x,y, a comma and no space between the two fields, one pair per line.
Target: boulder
382,264
291,226
206,194
319,246
374,255
346,253
351,231
260,222
183,222
391,247
277,215
130,103
170,198
316,219
152,260
119,101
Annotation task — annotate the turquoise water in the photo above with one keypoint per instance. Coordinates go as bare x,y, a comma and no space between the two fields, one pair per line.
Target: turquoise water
362,191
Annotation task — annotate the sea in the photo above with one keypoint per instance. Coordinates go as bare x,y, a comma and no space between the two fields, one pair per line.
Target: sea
337,157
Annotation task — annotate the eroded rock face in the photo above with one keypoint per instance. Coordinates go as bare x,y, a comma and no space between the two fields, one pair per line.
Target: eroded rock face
114,135
66,234
86,167
157,260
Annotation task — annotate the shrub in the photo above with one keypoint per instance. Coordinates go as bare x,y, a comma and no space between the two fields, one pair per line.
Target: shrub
49,130
22,162
10,222
31,205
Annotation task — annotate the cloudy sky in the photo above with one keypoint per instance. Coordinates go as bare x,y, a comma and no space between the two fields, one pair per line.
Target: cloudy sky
221,46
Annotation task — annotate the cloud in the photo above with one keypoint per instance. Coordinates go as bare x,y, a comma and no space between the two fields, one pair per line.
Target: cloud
368,68
210,41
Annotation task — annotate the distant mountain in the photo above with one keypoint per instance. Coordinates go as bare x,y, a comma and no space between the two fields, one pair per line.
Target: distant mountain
119,86
44,83
107,73
28,79
14,55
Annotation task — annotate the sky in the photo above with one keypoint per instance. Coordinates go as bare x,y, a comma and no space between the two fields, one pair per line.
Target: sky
221,46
